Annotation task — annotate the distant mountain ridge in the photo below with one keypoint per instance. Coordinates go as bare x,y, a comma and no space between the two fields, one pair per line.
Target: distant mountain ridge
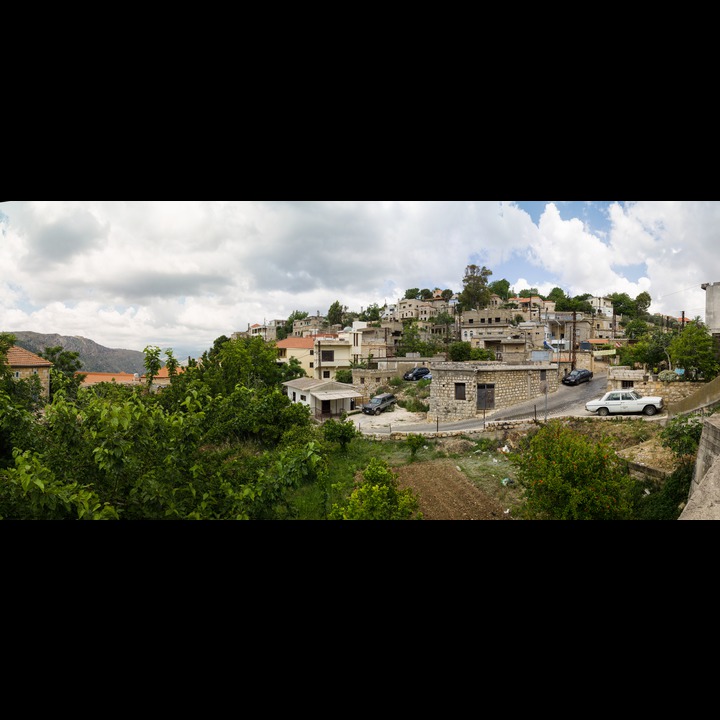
94,357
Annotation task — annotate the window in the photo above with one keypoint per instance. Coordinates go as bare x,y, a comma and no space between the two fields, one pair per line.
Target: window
328,355
459,391
543,375
17,373
470,321
303,397
35,372
628,384
312,365
326,373
362,380
294,396
312,352
497,320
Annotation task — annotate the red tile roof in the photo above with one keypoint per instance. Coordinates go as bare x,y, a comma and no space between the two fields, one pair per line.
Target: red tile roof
19,357
98,377
296,342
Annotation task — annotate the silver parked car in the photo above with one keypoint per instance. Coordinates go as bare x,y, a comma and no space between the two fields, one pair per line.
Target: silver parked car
625,401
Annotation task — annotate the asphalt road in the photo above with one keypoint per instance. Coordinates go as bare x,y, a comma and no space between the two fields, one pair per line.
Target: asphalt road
566,400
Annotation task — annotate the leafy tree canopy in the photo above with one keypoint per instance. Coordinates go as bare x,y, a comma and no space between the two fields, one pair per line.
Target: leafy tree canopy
500,288
335,313
475,294
693,349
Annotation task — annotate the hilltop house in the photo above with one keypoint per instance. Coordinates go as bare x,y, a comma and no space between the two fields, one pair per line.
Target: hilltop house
23,365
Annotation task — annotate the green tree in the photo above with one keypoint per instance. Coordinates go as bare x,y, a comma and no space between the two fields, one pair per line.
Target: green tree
414,443
682,434
556,294
642,303
412,294
286,330
65,373
370,314
447,320
410,342
378,497
291,369
567,476
636,328
344,375
426,294
623,304
335,313
7,340
693,349
340,432
171,364
152,363
501,288
475,294
447,294
459,351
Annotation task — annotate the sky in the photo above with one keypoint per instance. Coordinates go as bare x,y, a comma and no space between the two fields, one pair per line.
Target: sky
180,273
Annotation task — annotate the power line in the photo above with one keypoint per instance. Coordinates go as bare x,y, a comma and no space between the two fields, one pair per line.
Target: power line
694,287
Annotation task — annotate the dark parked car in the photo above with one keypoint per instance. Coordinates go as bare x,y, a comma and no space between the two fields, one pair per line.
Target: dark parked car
577,376
417,373
379,403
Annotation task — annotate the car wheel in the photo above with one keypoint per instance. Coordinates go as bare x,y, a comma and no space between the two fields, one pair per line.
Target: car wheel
377,412
650,410
603,411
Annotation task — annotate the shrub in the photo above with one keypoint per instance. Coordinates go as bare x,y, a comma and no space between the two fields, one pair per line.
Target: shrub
378,497
414,405
414,442
667,376
682,434
569,477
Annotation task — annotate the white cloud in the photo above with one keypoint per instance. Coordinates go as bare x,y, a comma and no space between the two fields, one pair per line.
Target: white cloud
181,273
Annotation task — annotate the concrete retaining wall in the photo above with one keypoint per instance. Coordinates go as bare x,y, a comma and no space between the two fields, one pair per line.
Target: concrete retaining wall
704,496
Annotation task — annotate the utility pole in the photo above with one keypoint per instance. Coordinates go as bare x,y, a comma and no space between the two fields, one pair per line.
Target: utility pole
572,342
682,326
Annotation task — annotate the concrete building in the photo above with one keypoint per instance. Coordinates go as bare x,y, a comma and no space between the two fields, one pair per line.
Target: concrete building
712,312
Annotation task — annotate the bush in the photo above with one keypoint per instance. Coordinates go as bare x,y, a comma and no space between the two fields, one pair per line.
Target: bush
567,476
667,376
682,434
665,504
414,405
378,497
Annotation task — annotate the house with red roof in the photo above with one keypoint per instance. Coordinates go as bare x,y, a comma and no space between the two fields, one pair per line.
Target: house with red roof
23,365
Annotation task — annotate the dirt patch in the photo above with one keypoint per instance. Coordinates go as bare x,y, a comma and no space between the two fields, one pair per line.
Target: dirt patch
444,493
652,454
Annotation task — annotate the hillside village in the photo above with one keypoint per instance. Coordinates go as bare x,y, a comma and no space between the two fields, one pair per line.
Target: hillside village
525,343
509,340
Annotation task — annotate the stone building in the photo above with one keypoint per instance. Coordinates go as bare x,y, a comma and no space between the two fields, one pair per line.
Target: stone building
465,390
23,365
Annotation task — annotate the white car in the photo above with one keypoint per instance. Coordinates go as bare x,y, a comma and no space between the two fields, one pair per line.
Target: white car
625,401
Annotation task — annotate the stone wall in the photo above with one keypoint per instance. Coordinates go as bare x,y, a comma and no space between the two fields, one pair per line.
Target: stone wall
43,373
647,384
367,382
512,384
704,496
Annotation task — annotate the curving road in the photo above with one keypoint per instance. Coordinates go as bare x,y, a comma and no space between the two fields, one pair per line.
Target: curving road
566,400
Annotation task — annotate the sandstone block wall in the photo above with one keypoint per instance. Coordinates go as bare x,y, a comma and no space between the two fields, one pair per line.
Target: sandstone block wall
512,384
